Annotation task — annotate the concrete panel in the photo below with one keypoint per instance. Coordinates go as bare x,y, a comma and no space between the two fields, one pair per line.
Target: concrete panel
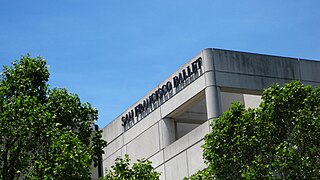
112,130
109,161
145,145
176,168
310,70
141,126
210,78
314,84
157,159
186,141
213,102
194,158
161,170
196,113
192,117
251,101
228,98
124,150
112,147
256,64
207,58
95,173
182,97
250,82
167,132
184,128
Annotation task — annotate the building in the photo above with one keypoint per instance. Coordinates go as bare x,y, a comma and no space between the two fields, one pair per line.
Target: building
169,123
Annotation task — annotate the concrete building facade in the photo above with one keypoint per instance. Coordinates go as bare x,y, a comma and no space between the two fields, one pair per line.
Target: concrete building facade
167,125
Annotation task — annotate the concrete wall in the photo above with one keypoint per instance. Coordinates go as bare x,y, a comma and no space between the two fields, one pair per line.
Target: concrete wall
224,77
255,71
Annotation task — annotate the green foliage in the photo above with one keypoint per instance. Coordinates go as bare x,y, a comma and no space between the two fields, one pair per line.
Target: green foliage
69,158
142,170
44,134
278,140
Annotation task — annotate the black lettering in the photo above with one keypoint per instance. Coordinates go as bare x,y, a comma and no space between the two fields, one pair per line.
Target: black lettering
137,111
175,81
180,78
189,71
164,89
124,121
157,94
169,86
151,99
185,76
130,114
194,67
199,62
127,118
140,108
149,103
160,93
154,97
145,104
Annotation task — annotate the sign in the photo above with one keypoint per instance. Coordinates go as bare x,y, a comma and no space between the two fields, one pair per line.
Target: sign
153,101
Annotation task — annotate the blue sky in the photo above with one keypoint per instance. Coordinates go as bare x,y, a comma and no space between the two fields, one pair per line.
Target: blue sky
112,52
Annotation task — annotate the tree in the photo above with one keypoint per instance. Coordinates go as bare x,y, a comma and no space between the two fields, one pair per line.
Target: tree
278,140
44,133
141,170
